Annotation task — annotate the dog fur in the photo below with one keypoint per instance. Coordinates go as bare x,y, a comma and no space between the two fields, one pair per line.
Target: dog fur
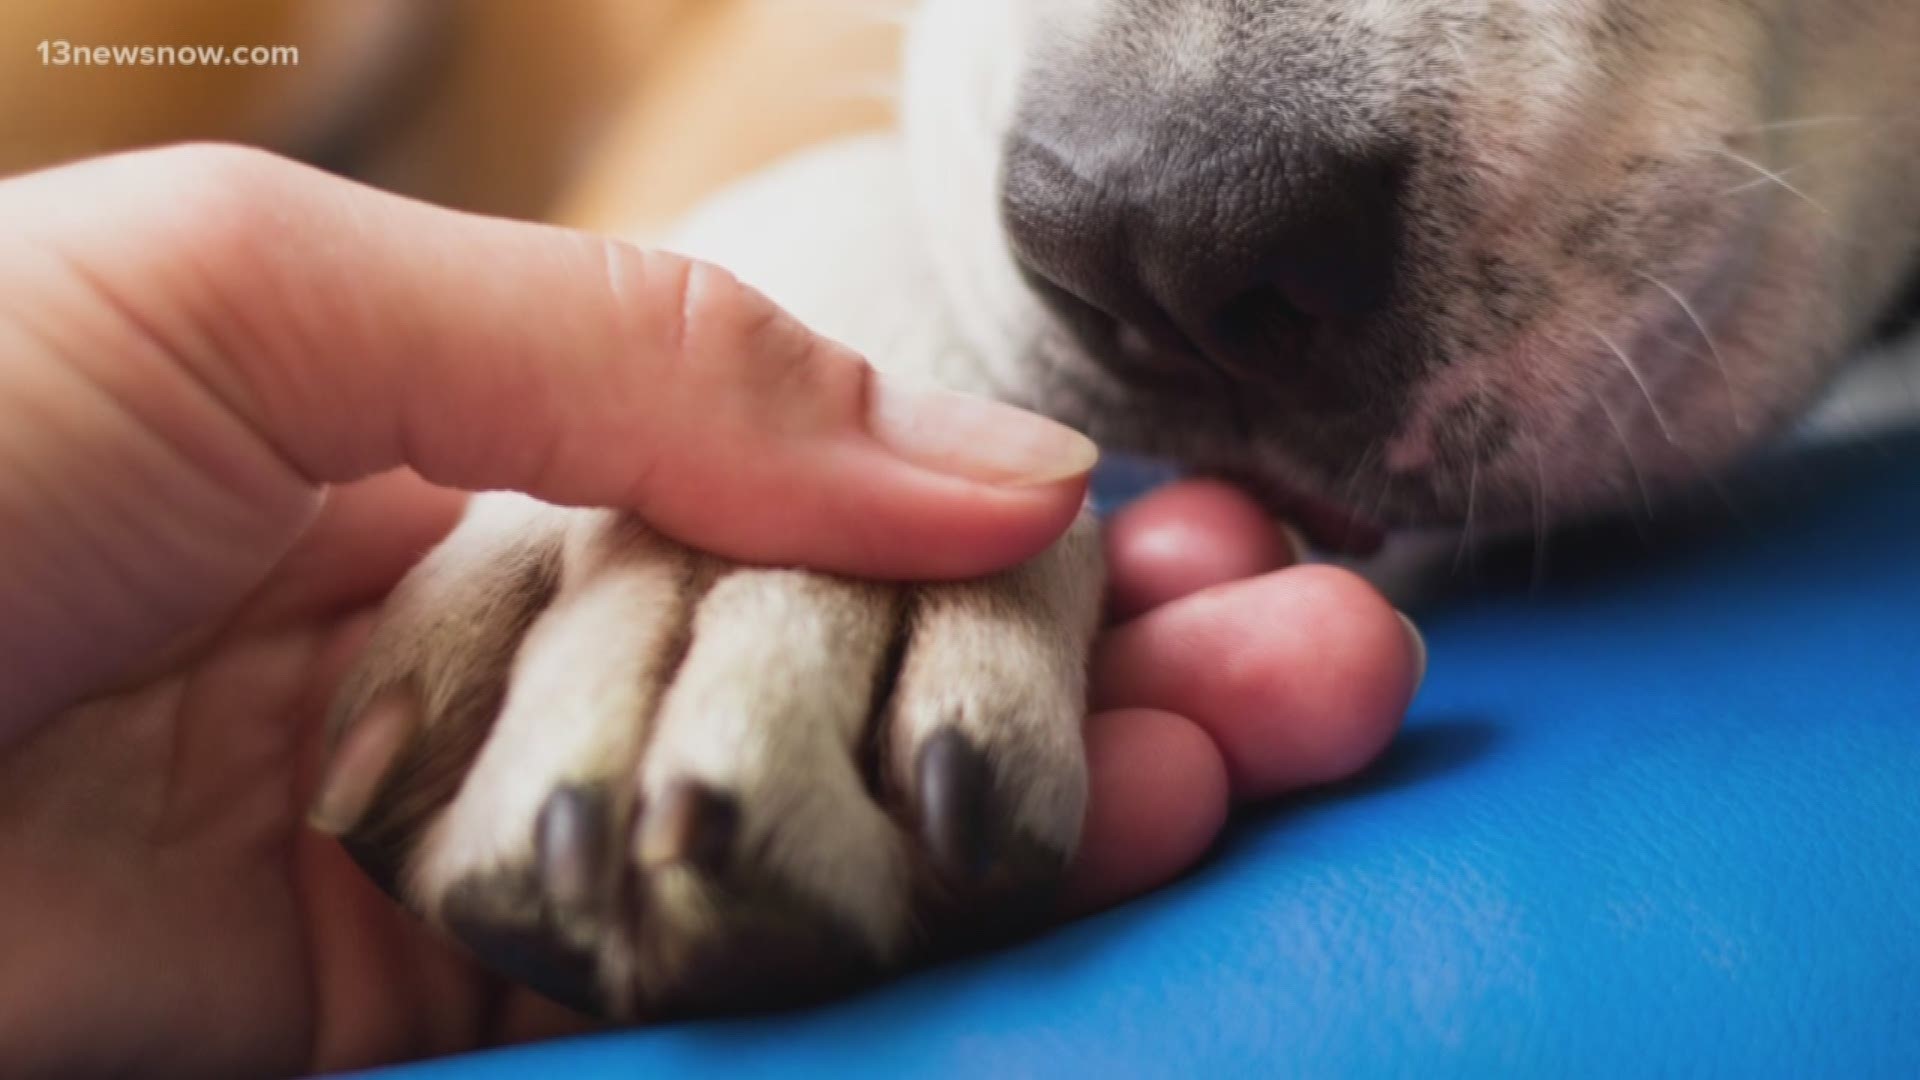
1636,240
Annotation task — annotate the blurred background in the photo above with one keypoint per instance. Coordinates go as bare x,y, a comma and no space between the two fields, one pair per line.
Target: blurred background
606,114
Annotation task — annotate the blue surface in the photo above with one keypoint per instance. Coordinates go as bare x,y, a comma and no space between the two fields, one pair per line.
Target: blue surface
1658,815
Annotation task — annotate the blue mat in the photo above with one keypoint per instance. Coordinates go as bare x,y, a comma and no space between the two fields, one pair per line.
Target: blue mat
1657,814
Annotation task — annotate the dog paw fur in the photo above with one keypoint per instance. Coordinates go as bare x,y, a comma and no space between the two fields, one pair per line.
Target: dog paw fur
648,782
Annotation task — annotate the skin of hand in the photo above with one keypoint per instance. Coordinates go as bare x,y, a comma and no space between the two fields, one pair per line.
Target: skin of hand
238,398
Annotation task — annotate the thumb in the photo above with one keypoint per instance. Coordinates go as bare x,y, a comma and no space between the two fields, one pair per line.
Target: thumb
357,331
275,329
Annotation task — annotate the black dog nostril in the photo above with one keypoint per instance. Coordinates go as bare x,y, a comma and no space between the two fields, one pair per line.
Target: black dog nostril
1243,249
1264,319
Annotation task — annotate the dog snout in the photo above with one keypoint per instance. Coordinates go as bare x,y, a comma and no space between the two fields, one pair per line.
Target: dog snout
1183,240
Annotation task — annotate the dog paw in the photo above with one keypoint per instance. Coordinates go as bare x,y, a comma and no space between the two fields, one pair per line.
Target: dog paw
645,781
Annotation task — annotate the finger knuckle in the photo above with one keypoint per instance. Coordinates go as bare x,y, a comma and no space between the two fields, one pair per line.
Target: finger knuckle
217,190
718,319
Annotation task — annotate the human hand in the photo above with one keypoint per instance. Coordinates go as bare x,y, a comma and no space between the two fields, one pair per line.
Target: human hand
239,398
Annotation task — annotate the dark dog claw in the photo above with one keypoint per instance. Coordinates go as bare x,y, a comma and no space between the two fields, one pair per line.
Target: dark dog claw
956,789
573,847
498,917
688,824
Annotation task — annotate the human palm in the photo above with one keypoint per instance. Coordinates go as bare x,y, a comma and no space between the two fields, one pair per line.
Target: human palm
167,909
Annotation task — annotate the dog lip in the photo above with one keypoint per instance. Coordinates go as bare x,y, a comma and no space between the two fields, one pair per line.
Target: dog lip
1331,526
1327,524
1148,363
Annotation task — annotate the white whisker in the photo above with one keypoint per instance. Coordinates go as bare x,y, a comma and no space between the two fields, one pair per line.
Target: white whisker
1449,32
1833,120
1360,466
1626,448
1859,145
1768,175
1713,347
1645,390
1765,181
1380,504
1466,531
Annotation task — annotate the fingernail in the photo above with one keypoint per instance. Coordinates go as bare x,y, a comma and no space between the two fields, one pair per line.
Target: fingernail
1419,642
975,437
366,754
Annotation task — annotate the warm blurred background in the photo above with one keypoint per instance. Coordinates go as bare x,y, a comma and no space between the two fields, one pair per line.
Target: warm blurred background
613,114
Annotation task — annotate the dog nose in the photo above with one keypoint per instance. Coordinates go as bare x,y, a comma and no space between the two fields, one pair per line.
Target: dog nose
1248,252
